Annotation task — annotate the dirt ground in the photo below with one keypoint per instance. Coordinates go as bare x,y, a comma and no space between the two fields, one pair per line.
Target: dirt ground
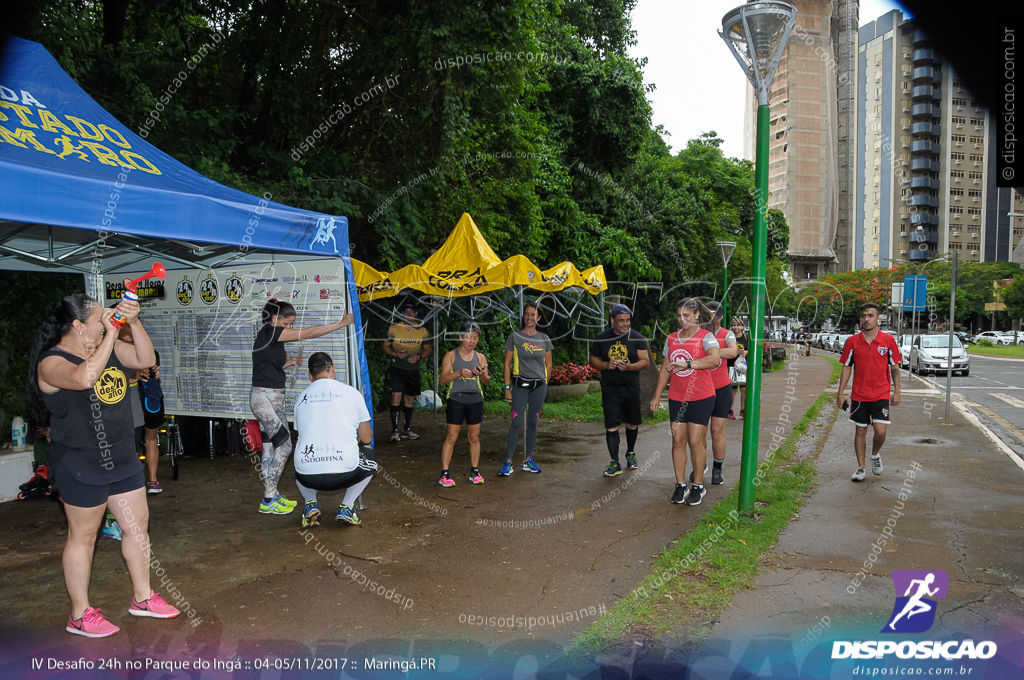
260,586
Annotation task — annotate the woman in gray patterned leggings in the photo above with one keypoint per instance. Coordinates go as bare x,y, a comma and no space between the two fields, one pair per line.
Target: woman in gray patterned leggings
269,360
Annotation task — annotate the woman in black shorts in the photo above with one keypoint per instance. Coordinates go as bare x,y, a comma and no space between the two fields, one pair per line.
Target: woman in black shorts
691,353
466,370
78,375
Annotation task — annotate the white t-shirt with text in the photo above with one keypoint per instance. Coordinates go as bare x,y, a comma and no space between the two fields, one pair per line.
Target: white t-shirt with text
327,417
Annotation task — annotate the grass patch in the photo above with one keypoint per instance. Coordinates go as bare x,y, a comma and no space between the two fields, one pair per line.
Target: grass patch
586,407
1003,351
837,368
730,550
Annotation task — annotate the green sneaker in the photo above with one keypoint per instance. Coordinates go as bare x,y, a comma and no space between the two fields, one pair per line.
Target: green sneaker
347,514
290,504
631,461
276,506
614,468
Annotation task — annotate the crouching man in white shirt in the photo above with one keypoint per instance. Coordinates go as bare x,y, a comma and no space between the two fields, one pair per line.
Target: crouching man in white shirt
332,420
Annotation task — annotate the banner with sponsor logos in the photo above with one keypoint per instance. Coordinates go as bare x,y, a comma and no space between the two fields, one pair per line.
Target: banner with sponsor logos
205,325
466,265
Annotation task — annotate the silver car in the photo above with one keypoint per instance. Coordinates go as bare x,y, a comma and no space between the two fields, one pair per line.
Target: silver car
930,354
839,341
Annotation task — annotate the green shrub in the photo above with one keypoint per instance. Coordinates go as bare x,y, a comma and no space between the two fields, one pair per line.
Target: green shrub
985,342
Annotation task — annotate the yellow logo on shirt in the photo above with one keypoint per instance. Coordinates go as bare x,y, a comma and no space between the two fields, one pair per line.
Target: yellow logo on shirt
112,386
618,352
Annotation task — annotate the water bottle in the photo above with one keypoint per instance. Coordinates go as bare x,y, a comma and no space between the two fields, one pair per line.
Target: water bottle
18,434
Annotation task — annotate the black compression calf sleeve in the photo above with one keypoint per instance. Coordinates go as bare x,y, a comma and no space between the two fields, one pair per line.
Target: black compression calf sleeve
407,410
612,438
631,436
396,411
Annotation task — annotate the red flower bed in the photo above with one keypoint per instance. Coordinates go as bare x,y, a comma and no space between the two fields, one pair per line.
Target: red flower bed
572,374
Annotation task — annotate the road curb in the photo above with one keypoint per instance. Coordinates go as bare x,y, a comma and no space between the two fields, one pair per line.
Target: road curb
987,356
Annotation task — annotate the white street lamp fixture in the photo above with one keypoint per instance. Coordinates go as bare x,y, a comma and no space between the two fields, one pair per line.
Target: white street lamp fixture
726,248
756,34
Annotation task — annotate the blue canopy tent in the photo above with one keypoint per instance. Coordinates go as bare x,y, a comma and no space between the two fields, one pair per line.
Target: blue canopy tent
75,182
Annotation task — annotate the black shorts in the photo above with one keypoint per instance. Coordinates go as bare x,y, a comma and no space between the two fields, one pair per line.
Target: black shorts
723,402
81,495
341,480
457,412
154,420
406,382
697,412
864,413
620,406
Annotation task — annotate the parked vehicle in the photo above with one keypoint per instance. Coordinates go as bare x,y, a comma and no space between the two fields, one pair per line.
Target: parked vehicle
905,343
840,341
1009,337
930,354
996,337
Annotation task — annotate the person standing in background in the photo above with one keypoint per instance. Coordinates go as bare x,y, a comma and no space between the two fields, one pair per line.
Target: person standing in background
742,349
266,398
152,397
527,367
407,345
620,353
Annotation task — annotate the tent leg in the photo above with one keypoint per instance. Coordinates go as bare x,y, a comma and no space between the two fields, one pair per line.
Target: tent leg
601,306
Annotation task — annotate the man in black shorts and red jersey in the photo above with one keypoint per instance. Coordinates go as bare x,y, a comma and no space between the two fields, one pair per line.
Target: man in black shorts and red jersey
620,353
874,360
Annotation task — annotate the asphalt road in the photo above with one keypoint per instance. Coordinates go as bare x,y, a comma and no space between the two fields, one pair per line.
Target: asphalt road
995,393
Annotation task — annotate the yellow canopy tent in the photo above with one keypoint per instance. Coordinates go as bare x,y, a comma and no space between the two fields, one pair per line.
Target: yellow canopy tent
466,265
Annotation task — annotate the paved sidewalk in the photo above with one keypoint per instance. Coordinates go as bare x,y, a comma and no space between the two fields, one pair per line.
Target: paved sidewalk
964,514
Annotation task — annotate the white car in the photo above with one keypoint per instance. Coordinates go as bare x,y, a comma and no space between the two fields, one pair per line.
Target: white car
996,337
930,354
905,342
1009,336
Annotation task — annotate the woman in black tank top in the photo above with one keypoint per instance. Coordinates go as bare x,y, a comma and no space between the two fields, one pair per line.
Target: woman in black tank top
78,377
466,370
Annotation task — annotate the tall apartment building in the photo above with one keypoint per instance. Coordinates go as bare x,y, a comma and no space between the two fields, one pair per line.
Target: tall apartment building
811,169
925,159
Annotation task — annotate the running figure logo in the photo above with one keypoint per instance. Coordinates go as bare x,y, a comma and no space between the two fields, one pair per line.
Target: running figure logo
914,612
324,233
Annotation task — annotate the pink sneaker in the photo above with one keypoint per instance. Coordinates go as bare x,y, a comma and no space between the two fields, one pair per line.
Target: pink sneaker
445,480
155,606
91,625
476,477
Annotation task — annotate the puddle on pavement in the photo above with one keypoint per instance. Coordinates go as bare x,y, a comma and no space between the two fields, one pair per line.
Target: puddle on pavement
928,440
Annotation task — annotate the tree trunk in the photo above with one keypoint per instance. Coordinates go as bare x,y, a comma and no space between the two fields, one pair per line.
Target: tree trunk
115,18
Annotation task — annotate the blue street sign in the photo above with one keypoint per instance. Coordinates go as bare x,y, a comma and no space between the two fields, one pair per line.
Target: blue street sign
915,293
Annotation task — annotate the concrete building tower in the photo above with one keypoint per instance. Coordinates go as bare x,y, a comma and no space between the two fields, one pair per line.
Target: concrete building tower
811,171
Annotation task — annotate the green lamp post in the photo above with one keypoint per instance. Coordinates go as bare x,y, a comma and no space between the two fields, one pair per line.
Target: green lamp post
756,34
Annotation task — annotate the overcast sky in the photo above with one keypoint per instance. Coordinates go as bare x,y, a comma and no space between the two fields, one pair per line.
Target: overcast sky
700,87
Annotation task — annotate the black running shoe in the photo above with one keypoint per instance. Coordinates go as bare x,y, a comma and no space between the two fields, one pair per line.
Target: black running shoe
679,495
614,468
716,476
705,472
631,461
695,495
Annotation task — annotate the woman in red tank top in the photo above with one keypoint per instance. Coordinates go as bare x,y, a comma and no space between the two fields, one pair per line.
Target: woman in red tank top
691,354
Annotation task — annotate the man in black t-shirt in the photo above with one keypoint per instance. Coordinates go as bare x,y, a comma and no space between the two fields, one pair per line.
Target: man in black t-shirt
620,353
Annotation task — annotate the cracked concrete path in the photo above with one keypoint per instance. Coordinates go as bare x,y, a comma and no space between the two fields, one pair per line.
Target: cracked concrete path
963,513
253,578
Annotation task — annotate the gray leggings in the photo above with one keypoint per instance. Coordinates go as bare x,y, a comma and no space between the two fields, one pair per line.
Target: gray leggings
526,405
267,405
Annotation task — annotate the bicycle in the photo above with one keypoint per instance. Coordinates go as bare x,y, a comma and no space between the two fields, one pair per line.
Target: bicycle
175,450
